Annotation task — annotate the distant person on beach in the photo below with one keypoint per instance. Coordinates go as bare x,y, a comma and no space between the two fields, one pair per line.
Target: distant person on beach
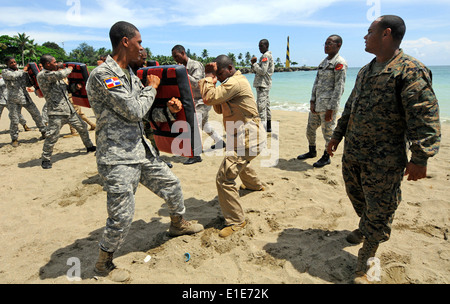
392,107
17,81
101,59
196,71
73,130
235,101
263,70
325,99
125,157
60,110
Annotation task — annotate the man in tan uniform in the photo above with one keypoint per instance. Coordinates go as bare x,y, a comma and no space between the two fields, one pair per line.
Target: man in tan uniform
245,138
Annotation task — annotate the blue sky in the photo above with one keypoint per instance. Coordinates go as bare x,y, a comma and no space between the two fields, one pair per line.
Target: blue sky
235,26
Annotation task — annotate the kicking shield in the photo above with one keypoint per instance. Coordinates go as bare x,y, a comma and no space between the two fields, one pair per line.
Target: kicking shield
182,136
80,74
33,71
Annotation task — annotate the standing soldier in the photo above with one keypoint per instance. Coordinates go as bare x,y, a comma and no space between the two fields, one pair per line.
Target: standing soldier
18,97
125,157
325,99
263,82
3,93
4,103
392,102
196,72
59,108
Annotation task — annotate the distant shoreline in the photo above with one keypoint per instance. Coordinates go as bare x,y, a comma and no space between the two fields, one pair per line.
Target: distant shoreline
245,70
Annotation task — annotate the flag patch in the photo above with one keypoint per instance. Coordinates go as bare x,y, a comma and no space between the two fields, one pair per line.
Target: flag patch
265,59
113,82
339,67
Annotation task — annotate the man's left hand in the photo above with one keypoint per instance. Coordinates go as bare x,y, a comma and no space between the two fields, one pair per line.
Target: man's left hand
415,172
329,115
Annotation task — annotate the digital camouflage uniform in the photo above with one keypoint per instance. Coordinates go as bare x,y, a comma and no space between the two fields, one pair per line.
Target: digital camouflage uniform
196,72
18,97
3,94
59,109
385,110
4,101
264,70
326,95
124,156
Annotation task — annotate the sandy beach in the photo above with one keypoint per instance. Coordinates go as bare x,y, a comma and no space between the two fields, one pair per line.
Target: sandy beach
295,234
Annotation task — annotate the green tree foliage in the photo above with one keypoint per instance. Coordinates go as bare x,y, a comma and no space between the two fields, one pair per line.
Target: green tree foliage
23,48
26,46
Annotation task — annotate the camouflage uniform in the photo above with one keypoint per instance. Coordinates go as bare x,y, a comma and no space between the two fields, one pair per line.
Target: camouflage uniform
4,101
196,72
326,95
124,156
3,94
59,109
235,101
18,97
263,82
385,109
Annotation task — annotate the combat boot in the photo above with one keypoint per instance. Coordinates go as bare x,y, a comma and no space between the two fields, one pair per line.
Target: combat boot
105,267
46,164
193,160
26,128
323,161
15,143
367,251
229,230
355,237
179,226
311,154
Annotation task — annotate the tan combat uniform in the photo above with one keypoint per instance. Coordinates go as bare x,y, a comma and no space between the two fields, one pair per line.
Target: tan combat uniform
235,101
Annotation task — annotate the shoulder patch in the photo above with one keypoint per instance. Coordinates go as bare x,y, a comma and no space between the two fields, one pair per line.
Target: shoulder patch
112,82
265,59
339,67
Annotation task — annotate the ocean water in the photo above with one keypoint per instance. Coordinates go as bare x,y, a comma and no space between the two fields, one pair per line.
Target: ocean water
291,91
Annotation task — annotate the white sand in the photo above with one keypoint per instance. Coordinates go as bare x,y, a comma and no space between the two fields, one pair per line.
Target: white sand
296,231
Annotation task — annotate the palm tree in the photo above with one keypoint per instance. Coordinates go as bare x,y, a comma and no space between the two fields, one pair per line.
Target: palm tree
23,42
248,57
232,57
205,54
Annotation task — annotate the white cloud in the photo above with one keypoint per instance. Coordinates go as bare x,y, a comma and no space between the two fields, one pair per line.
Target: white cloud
280,12
103,13
435,52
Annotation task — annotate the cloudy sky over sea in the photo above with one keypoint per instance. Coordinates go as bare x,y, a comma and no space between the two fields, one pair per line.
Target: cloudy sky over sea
235,26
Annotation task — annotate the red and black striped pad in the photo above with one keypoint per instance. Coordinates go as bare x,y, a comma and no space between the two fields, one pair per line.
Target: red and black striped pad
33,71
80,74
182,136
